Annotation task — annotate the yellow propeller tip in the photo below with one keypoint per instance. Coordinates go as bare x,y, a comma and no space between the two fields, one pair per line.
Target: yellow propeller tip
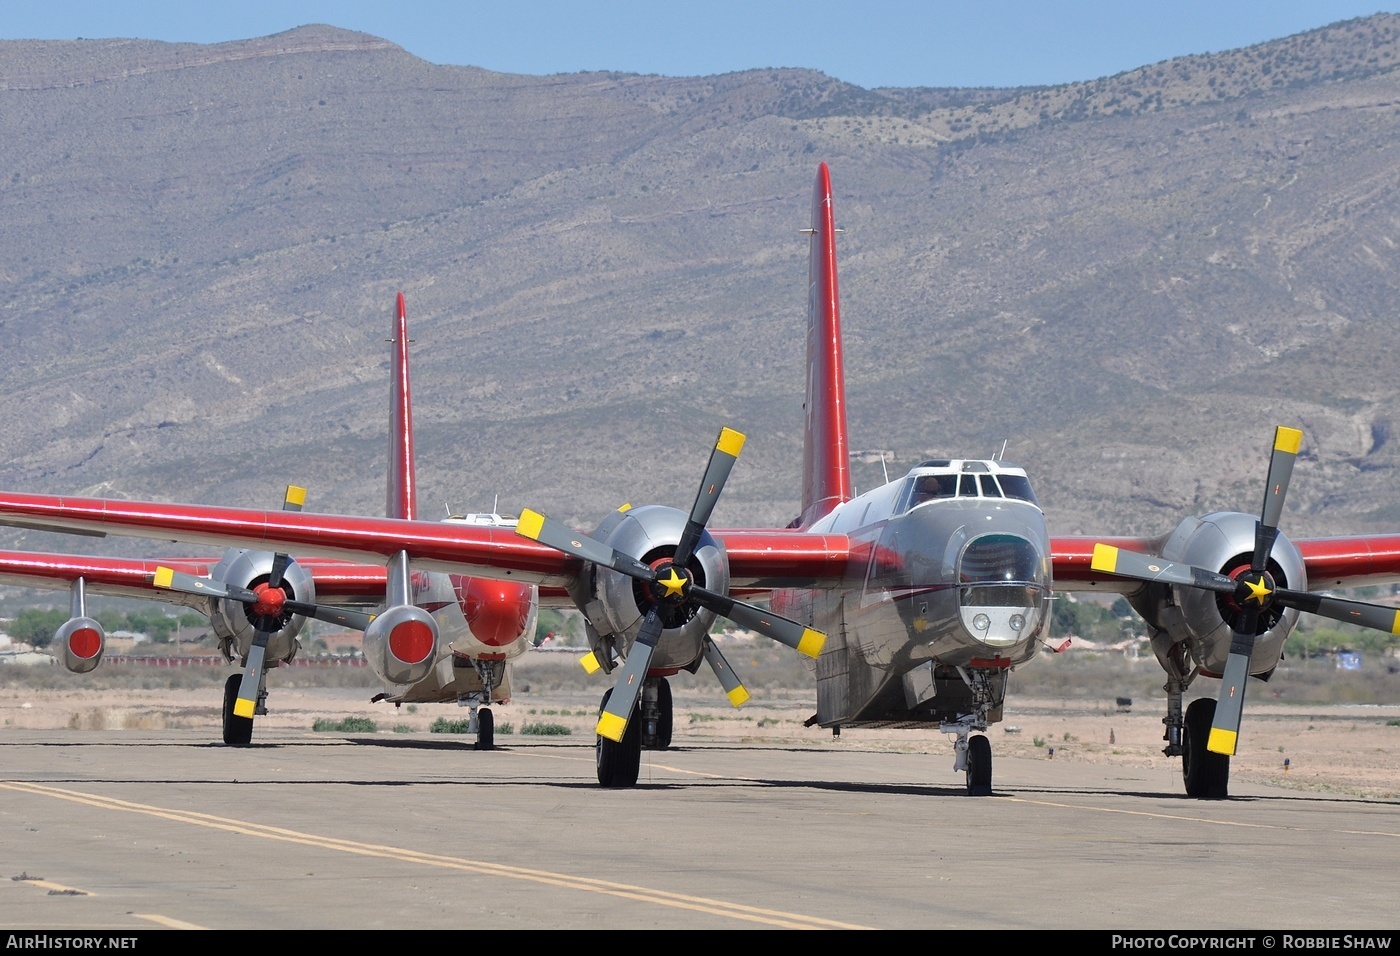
530,525
612,727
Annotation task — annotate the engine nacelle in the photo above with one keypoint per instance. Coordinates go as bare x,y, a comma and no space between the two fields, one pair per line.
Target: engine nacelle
83,641
1194,619
615,604
401,644
231,620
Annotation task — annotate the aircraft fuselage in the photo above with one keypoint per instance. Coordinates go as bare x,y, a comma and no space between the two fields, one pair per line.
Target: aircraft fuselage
944,596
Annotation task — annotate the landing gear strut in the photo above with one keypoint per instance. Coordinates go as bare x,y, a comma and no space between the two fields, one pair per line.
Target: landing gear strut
482,721
1206,774
972,755
656,713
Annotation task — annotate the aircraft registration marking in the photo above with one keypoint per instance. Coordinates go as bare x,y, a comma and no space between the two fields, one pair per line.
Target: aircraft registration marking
701,904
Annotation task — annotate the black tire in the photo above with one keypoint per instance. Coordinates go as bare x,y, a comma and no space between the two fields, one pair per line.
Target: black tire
664,714
238,731
979,766
1207,774
485,729
620,763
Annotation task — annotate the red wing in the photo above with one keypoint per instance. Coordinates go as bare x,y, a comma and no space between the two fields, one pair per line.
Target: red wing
337,581
761,561
1336,562
1348,562
434,546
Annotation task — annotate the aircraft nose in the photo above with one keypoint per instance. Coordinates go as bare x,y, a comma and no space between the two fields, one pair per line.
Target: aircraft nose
1003,591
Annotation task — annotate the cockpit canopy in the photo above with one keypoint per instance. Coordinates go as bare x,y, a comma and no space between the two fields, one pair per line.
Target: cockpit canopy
942,479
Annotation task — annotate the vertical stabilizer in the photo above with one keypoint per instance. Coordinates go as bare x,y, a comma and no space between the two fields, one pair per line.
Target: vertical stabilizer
403,484
826,471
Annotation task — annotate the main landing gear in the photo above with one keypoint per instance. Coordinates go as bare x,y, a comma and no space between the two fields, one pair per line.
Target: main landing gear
619,762
238,731
1205,773
650,727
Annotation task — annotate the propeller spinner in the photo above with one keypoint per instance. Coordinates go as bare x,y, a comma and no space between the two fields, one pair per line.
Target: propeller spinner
671,590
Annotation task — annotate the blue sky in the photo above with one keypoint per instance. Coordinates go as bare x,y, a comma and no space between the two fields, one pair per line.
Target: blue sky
871,43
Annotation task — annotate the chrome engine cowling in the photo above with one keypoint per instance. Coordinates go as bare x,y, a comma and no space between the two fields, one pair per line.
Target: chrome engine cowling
1195,620
401,644
231,620
615,604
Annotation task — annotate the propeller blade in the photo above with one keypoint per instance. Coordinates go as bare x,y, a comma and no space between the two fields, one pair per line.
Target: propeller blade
801,638
561,537
341,616
612,722
171,580
247,701
280,561
1142,567
726,452
733,687
1287,441
1376,616
1229,707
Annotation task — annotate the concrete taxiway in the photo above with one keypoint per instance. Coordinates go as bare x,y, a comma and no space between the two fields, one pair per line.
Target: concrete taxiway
138,830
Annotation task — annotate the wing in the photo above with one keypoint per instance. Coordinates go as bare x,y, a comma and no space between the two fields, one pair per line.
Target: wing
1333,562
762,561
433,546
759,560
338,581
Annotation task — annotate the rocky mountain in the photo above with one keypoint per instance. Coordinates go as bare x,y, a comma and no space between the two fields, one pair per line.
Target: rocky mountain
1127,281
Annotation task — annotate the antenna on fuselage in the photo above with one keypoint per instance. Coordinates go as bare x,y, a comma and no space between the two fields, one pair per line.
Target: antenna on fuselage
1001,454
884,468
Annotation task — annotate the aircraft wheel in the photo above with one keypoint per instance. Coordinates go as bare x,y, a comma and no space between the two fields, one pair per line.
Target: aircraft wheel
620,763
238,731
979,766
664,714
485,729
1207,774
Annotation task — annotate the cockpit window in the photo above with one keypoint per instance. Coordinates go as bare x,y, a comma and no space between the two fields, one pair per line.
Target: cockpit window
972,480
1018,486
929,487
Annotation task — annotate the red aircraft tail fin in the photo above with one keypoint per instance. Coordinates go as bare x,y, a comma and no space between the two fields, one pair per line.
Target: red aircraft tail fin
403,485
826,472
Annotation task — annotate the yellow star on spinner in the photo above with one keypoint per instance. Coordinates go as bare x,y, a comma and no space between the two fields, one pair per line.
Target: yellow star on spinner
1258,590
673,585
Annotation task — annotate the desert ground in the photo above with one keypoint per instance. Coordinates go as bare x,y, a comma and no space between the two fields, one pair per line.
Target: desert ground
1297,733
